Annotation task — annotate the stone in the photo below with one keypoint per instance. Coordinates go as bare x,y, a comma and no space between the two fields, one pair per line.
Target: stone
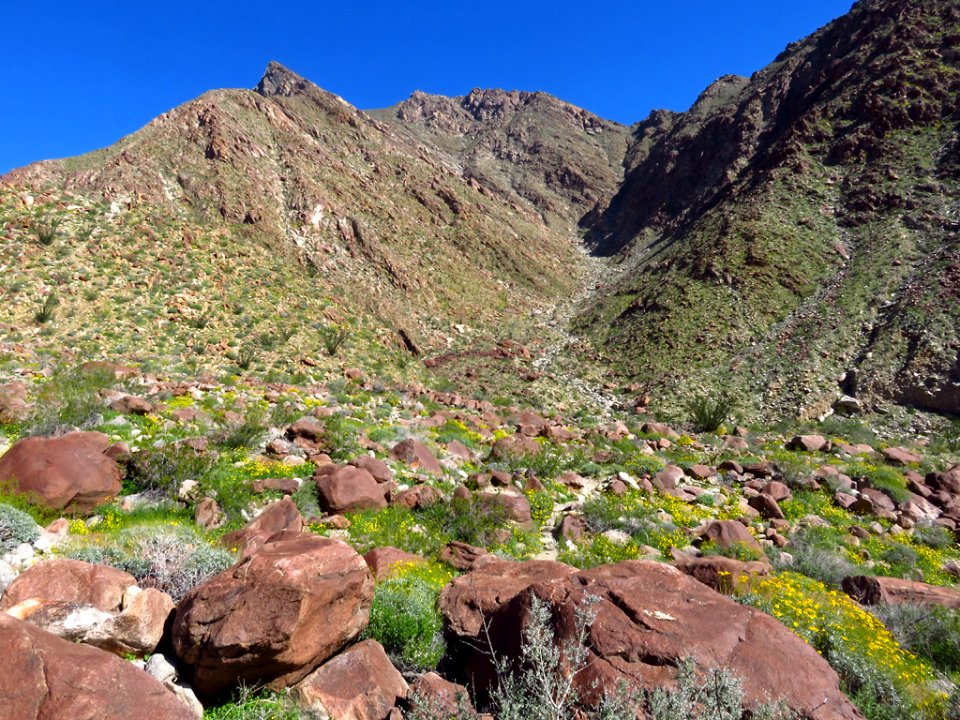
13,402
275,616
777,490
668,478
572,527
726,534
809,443
306,429
437,694
48,677
648,616
207,514
100,586
348,489
70,471
768,508
380,471
901,456
417,497
869,590
131,405
275,517
358,684
460,555
514,447
415,454
515,506
701,472
384,561
659,429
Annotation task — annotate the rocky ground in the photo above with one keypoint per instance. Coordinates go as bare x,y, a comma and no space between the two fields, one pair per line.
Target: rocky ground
352,548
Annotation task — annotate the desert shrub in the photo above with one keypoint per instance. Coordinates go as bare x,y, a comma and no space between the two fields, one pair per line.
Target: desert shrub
171,559
70,399
255,704
881,477
47,230
469,521
404,619
47,309
16,527
341,437
708,411
932,535
160,471
818,553
427,707
930,632
245,434
332,337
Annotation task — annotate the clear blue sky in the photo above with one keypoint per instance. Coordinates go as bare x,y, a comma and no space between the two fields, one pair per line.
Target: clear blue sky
79,75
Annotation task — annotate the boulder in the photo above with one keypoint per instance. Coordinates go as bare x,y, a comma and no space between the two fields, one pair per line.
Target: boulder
649,616
868,590
777,490
358,684
809,443
46,677
415,454
378,468
275,517
659,429
514,447
431,693
460,555
349,488
131,405
515,506
74,581
383,561
13,402
901,456
766,506
69,471
274,616
727,533
417,497
668,478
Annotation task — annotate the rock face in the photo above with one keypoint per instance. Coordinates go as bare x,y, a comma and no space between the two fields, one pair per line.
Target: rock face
73,581
276,517
358,684
649,617
47,678
68,471
275,616
868,590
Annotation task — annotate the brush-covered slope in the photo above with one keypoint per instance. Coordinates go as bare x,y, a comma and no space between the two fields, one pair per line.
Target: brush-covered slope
290,183
794,235
563,159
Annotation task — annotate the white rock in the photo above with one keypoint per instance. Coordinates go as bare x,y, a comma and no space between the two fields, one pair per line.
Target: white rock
160,668
7,575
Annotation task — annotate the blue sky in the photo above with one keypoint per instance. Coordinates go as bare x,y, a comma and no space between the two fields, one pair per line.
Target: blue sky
82,74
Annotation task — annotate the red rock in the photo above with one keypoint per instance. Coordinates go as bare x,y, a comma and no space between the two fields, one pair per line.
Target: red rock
901,456
307,429
415,454
436,694
571,480
461,556
207,514
727,533
762,469
417,497
380,471
383,561
572,527
72,581
13,402
777,490
275,517
949,481
69,471
809,443
348,489
358,684
766,506
668,478
514,447
737,444
868,590
48,678
287,486
701,472
458,450
649,616
516,507
659,429
274,616
131,405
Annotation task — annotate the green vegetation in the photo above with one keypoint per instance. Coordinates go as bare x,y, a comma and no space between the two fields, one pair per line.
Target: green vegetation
16,527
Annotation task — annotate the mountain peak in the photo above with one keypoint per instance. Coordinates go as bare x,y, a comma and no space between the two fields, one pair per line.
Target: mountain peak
279,80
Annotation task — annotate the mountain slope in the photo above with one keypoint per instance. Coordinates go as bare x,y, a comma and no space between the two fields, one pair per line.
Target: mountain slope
561,158
799,227
390,230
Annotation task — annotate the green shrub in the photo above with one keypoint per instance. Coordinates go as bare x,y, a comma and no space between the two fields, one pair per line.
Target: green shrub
332,337
930,632
255,704
47,309
708,411
404,619
16,527
47,230
70,399
245,434
160,471
818,553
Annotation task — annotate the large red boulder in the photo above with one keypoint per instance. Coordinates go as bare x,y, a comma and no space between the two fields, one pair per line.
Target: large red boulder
73,581
47,678
347,489
275,517
649,617
69,471
274,616
868,590
415,454
358,684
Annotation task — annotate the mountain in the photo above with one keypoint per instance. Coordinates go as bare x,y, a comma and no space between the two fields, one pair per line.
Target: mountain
793,236
563,159
340,213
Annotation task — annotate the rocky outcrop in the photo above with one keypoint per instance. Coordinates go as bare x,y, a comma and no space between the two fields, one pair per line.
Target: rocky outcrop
71,471
347,488
869,590
648,617
72,581
275,616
